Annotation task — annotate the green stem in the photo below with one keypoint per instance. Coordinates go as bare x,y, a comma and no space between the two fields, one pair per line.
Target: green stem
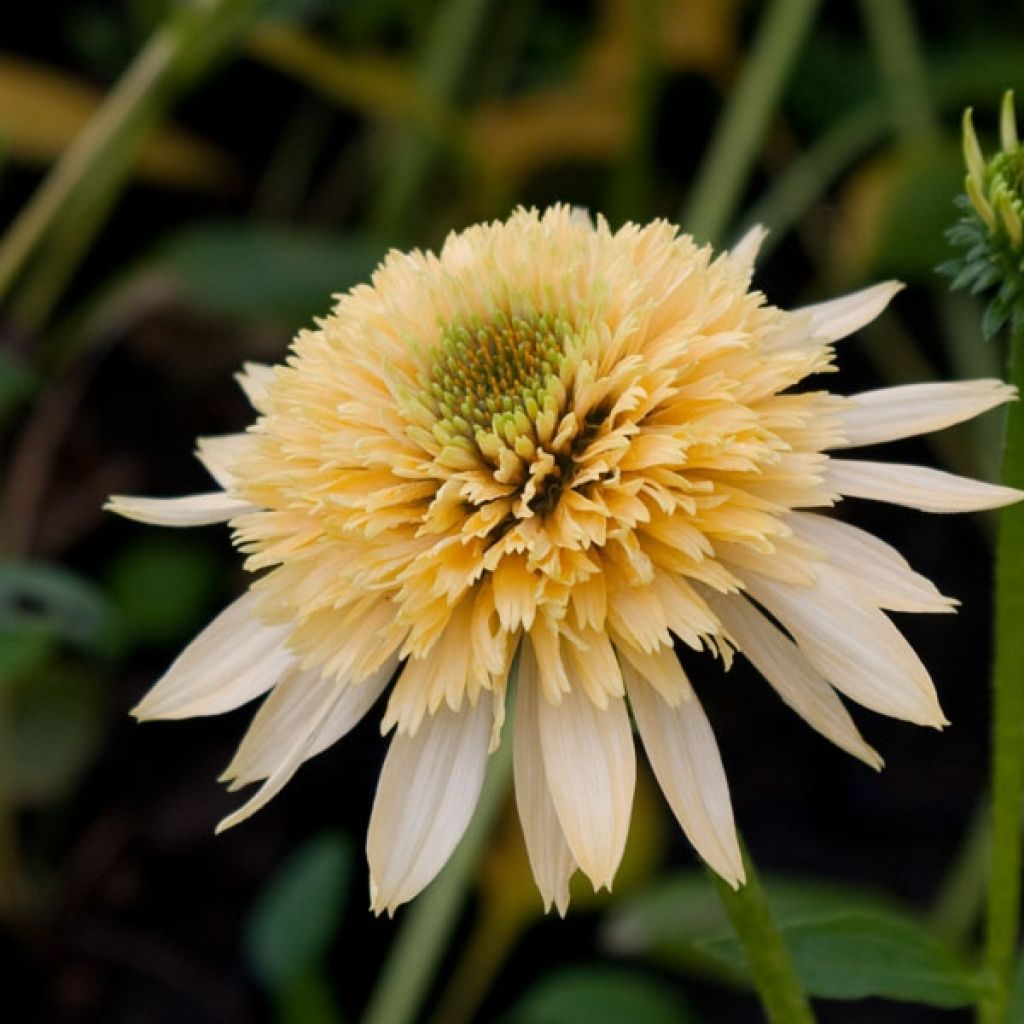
782,995
106,149
429,922
725,170
1004,890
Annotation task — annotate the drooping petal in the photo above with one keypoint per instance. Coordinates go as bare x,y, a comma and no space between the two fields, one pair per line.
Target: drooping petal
853,645
550,858
191,510
284,713
591,770
877,569
684,755
426,795
236,658
790,674
930,490
839,318
888,414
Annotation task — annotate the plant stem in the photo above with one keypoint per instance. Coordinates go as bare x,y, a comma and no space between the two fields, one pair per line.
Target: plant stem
429,922
725,169
782,996
1004,891
107,147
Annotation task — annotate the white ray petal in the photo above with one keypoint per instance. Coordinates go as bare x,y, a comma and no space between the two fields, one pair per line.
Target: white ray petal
236,658
874,417
791,675
684,755
426,795
591,769
290,705
877,569
219,455
255,380
191,510
747,248
930,490
550,858
853,645
838,318
294,755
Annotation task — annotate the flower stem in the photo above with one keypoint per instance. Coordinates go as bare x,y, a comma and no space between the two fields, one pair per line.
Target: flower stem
429,922
738,135
782,996
1004,890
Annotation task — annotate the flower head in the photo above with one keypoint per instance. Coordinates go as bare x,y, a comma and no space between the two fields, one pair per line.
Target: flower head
991,233
586,446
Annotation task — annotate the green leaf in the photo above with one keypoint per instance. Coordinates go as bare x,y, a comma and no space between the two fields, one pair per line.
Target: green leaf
296,917
283,274
162,586
599,994
858,954
17,384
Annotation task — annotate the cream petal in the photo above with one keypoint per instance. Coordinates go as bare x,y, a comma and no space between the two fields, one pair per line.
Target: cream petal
888,414
853,645
684,755
287,709
591,769
930,490
791,675
840,317
192,510
294,755
220,454
747,248
426,795
255,380
236,658
878,570
548,852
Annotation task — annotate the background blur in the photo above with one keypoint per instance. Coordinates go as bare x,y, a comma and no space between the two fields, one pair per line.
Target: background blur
242,161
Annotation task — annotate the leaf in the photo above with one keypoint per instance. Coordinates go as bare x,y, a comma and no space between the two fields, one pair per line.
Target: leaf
55,727
48,598
17,384
857,954
598,994
297,915
261,271
162,586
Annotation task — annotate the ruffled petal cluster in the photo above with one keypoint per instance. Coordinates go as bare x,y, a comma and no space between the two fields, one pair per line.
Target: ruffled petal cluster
587,449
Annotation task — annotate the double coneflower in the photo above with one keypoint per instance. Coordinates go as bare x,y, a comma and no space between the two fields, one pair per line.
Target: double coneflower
584,446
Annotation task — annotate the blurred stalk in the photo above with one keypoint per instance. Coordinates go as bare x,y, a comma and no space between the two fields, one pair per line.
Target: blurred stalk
782,996
631,184
450,42
725,169
957,907
100,159
429,921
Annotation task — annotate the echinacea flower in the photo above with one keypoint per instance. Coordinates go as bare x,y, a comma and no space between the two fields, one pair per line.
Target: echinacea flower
583,445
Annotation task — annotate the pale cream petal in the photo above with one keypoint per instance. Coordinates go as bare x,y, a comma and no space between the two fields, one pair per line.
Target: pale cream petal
930,490
684,755
840,317
877,569
426,795
888,414
192,510
747,248
219,455
548,852
790,674
255,380
290,705
236,658
853,645
591,769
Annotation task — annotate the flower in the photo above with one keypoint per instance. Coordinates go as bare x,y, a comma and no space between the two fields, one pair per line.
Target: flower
991,232
583,445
